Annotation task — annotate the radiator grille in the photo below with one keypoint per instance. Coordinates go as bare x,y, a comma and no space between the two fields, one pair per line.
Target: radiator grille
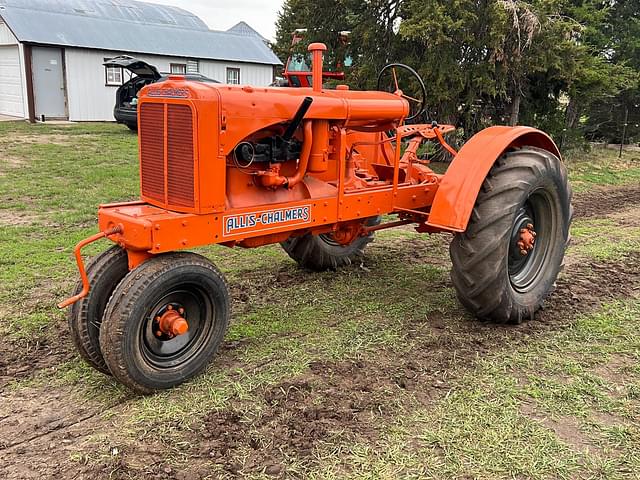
175,185
180,155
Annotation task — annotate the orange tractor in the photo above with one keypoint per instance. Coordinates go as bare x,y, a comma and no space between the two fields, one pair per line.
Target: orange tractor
315,170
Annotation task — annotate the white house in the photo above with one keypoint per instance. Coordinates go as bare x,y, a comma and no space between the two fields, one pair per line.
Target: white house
52,51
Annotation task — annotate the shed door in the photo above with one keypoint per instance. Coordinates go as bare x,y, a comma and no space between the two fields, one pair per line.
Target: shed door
48,82
11,101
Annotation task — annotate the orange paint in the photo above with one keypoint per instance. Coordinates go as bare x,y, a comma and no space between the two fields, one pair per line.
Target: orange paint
172,323
527,239
83,273
459,188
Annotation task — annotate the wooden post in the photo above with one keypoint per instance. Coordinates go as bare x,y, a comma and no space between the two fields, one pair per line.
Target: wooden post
28,68
624,129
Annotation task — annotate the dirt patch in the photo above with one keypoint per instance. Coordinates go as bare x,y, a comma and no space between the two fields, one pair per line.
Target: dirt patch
11,162
50,138
332,400
421,250
9,218
43,429
24,353
616,373
21,358
586,285
567,429
601,201
603,419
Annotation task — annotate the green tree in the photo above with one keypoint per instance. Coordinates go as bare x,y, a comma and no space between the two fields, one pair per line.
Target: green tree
547,63
620,37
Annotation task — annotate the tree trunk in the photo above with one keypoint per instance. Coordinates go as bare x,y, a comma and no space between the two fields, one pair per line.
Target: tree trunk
515,109
572,114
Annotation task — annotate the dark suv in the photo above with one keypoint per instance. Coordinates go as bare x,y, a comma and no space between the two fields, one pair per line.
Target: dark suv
126,109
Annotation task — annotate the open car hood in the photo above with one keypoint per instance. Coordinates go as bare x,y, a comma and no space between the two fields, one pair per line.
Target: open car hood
138,67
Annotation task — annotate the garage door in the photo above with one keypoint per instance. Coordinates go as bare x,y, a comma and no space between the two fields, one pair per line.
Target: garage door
10,82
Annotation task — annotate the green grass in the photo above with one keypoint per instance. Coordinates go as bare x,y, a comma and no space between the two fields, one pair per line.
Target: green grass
503,413
51,180
604,239
602,167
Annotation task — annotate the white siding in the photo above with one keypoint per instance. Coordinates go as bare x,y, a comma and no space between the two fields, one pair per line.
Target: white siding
6,37
250,74
88,96
90,100
12,98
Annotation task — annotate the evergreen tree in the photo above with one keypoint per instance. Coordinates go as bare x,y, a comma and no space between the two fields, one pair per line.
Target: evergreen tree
556,64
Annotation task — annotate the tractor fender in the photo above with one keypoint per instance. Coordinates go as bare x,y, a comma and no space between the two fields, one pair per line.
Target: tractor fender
460,186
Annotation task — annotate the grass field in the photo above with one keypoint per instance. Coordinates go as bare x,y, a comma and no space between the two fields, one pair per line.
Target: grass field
371,372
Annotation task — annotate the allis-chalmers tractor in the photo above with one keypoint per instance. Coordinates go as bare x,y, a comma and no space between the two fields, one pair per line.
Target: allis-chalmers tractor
314,170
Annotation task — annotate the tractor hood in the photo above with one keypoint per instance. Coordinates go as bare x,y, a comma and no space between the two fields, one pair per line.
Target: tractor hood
138,67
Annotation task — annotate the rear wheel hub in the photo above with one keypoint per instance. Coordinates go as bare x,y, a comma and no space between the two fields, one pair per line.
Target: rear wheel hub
527,239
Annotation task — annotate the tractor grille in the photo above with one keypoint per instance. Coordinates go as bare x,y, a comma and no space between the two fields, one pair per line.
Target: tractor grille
180,154
173,185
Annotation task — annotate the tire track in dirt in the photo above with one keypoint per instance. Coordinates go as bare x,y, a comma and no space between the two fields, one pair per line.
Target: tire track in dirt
45,426
602,200
28,431
23,358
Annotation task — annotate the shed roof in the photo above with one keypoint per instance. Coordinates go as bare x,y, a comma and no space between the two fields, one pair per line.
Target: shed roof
243,28
128,26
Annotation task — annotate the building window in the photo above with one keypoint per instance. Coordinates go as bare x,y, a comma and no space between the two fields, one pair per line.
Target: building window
178,68
193,66
233,76
113,76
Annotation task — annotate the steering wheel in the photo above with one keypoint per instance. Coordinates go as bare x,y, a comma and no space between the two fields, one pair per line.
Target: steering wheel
416,105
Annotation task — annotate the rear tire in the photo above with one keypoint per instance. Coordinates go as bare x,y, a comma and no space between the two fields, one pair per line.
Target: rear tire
85,316
137,353
493,279
320,252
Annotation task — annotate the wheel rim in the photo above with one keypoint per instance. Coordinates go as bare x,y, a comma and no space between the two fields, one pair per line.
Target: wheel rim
161,350
329,240
537,213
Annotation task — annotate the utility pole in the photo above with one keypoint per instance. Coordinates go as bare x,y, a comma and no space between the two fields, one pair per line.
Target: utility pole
624,129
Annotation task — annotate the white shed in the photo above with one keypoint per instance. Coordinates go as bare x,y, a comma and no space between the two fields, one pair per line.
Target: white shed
52,53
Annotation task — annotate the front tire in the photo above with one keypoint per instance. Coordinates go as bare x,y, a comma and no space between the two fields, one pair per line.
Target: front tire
85,316
493,276
138,351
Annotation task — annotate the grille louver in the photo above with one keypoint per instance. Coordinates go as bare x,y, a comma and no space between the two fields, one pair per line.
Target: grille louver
152,150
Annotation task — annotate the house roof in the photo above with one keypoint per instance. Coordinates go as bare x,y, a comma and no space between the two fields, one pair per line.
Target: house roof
243,28
129,26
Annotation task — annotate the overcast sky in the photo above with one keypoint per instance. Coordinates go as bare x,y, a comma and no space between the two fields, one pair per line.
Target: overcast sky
223,14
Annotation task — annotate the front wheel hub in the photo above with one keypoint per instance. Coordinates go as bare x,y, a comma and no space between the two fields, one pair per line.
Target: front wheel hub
171,322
